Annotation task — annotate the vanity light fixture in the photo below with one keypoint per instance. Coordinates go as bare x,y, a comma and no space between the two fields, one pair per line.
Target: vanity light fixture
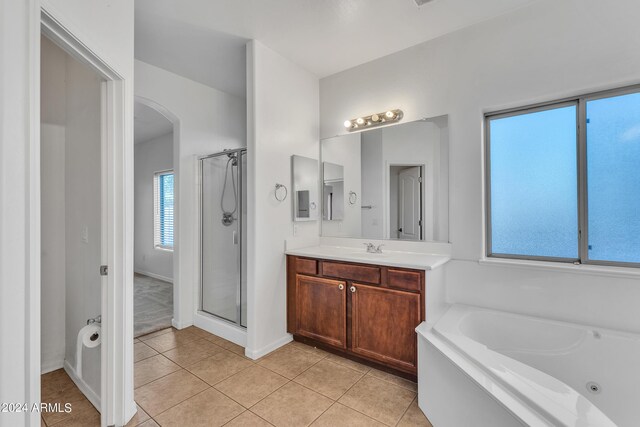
373,120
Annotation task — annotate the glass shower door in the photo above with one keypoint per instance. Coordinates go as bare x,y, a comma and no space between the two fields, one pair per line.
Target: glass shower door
223,214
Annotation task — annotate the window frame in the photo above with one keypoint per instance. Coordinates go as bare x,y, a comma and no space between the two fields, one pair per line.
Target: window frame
582,174
157,238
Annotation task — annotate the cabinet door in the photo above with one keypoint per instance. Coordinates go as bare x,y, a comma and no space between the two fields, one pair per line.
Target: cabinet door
321,309
383,323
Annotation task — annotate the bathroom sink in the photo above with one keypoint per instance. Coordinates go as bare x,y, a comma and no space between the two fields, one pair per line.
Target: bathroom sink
371,254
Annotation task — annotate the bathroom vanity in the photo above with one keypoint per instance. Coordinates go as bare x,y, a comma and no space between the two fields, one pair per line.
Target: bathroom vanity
363,310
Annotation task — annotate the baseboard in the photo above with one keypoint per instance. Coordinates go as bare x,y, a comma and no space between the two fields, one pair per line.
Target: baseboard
256,354
51,365
154,276
83,386
179,325
221,328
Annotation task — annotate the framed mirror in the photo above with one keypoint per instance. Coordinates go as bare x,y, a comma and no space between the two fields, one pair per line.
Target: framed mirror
394,185
306,203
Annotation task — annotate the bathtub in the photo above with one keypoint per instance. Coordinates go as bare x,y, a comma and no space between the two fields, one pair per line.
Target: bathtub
490,368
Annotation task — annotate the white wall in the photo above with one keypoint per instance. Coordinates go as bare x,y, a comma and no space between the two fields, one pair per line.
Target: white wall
150,157
110,26
282,101
83,216
19,204
345,151
208,121
52,134
546,51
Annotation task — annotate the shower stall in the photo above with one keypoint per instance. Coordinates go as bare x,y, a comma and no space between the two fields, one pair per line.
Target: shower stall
223,237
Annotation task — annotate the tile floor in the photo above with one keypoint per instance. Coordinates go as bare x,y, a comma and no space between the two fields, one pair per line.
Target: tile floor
153,304
57,387
193,378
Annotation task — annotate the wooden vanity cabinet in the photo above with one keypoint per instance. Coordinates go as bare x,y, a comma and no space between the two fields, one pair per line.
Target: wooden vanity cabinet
383,323
362,311
321,310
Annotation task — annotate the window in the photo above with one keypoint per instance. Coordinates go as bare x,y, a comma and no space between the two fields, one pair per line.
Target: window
613,168
563,182
163,210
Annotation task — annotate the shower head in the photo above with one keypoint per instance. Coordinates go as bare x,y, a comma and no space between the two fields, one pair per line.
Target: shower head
232,155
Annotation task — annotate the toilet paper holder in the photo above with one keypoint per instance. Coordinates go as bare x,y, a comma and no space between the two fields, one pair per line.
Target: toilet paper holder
97,319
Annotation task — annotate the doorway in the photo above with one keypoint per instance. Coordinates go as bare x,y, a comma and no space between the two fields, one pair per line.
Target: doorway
406,197
154,199
73,228
111,373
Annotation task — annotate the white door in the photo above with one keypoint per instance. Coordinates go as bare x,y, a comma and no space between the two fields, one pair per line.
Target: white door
409,204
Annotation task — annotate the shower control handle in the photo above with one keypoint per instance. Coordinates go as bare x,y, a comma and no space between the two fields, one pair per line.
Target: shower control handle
341,286
352,289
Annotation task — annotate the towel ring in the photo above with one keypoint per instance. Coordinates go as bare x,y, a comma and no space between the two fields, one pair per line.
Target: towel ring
353,197
286,192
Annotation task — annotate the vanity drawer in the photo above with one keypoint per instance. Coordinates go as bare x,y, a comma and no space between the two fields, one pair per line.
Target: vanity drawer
361,273
306,266
410,280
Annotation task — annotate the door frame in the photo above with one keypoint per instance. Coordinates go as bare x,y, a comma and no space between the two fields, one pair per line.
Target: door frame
178,312
387,196
116,394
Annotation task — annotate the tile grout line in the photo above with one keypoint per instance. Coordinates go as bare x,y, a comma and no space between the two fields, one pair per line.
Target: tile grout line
288,380
159,378
171,407
253,406
334,401
362,413
305,370
406,410
389,382
225,378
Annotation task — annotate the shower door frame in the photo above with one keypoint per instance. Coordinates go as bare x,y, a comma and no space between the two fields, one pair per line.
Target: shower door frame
240,152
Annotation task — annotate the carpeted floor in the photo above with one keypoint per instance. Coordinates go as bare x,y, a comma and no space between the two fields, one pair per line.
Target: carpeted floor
153,304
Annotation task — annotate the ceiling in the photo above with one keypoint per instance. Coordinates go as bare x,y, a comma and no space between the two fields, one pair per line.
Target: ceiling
149,124
204,39
202,54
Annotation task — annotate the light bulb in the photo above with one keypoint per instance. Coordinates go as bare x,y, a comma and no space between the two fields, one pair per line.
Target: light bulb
360,121
347,123
375,118
390,114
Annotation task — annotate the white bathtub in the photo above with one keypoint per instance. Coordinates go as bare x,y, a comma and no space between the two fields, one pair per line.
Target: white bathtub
495,368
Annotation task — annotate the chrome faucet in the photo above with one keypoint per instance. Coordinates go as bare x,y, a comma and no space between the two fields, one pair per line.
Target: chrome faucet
373,249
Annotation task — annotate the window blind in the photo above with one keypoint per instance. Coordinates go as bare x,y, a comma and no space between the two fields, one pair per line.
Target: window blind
163,190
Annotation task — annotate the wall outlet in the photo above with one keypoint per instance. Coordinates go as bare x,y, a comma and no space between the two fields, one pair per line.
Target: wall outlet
85,234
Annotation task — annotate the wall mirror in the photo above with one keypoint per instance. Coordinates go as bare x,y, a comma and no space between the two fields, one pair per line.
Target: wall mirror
396,182
306,203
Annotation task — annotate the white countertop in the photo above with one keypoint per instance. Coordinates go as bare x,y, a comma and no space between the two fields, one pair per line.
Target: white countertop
416,260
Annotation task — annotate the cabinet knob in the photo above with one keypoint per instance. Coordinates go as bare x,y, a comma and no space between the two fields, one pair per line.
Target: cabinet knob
341,286
352,289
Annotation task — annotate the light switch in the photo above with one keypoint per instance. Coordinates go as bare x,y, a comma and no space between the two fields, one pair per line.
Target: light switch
85,234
